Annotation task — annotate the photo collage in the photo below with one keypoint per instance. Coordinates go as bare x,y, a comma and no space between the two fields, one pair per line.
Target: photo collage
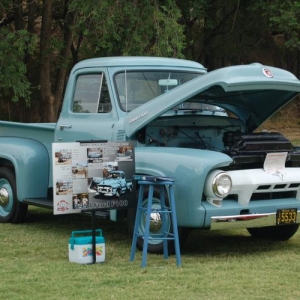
92,176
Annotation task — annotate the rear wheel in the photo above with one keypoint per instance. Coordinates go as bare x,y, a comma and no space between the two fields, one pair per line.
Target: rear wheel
279,233
154,246
11,210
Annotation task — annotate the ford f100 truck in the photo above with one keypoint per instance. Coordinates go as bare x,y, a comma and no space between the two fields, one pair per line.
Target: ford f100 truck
196,126
114,185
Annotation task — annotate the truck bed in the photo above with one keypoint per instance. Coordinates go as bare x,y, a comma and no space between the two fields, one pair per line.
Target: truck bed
42,132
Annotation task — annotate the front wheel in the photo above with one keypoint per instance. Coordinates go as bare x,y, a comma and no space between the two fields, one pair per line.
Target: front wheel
154,246
279,233
11,210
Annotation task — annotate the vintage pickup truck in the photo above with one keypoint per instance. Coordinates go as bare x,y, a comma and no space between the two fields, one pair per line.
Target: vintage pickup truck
195,126
114,185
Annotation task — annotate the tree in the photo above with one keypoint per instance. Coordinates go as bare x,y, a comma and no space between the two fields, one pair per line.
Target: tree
221,33
139,27
71,30
47,97
284,27
16,43
42,39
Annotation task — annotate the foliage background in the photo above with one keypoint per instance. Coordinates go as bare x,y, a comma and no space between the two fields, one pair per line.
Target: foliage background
40,41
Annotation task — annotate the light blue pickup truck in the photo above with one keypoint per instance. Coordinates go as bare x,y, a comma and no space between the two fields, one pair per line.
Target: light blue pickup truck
187,123
114,185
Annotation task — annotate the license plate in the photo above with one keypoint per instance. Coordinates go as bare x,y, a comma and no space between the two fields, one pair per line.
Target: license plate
286,216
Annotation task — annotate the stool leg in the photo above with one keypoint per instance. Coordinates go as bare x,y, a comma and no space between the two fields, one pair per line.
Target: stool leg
147,226
136,224
174,222
164,221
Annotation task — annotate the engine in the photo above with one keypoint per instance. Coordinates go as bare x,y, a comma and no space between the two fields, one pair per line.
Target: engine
250,150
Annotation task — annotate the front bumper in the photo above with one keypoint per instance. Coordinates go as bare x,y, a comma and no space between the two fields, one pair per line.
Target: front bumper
105,191
245,221
108,194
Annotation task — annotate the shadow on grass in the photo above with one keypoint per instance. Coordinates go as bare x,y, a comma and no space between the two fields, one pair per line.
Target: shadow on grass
198,243
44,220
232,242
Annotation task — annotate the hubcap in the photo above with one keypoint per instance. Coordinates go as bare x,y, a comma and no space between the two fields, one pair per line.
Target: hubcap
155,222
156,227
4,197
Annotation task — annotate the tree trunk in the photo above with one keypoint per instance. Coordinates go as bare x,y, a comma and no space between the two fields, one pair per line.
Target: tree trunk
65,54
48,113
30,110
273,49
18,11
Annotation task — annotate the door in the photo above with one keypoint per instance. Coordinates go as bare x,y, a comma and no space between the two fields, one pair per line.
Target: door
88,110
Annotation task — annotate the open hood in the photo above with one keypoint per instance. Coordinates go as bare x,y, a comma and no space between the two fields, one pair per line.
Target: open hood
252,92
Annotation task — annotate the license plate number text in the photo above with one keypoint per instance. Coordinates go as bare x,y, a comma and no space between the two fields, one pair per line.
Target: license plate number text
286,216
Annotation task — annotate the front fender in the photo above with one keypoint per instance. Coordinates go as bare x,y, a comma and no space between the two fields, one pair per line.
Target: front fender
30,160
189,168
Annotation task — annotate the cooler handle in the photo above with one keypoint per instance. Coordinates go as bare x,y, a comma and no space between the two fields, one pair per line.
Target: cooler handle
83,232
86,231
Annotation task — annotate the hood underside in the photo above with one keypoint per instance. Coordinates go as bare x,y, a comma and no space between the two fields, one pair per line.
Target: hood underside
252,92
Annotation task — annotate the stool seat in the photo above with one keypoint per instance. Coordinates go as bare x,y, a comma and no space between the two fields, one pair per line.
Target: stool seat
165,185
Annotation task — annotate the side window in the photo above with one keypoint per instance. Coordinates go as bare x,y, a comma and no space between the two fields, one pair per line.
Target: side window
91,94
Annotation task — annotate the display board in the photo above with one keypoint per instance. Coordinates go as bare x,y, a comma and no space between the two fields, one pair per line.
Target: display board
92,175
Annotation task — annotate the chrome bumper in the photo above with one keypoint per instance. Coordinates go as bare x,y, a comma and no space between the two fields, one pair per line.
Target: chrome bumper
245,221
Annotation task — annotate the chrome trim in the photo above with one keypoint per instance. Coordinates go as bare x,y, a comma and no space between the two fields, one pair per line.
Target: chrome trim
245,221
215,184
63,126
155,222
4,197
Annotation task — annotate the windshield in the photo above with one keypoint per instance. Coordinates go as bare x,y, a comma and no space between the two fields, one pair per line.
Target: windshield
140,87
114,175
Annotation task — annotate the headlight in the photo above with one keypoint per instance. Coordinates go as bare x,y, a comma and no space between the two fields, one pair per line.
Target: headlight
221,185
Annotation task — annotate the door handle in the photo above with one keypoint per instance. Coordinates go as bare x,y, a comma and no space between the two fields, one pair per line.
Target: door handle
63,126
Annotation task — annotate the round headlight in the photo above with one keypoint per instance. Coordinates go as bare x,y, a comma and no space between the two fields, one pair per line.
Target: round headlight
222,185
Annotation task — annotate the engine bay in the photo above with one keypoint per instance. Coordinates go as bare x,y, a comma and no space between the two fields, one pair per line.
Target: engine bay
226,135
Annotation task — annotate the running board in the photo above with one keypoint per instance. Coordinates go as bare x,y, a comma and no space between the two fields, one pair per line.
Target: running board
48,203
41,202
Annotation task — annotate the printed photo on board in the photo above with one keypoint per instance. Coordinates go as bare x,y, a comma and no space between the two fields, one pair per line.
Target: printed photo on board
94,155
79,170
64,187
63,157
124,153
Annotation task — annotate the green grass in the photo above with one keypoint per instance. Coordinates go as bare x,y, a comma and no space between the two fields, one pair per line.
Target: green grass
215,265
296,142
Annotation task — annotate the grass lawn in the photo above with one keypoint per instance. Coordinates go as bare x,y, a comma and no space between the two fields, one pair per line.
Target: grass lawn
215,265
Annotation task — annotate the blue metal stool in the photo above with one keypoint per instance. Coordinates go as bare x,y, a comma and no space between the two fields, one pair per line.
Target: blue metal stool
162,183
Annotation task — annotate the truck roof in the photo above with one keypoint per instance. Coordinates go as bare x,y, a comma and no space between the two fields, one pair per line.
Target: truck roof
117,61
